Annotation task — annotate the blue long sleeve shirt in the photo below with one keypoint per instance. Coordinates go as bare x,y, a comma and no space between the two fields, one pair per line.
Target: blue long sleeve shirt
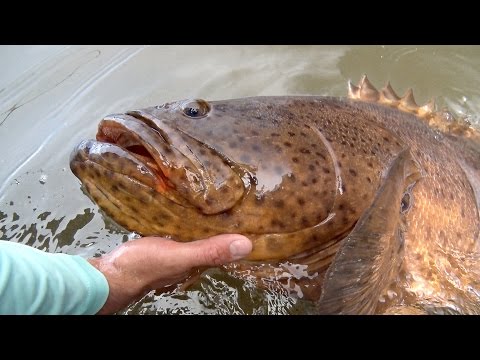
36,282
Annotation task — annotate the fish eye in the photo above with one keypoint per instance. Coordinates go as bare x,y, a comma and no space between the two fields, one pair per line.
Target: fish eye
196,109
405,205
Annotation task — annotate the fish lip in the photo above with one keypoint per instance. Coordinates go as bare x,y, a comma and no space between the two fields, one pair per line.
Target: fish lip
134,139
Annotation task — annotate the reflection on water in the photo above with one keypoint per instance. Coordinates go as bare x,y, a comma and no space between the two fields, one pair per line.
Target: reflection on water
53,98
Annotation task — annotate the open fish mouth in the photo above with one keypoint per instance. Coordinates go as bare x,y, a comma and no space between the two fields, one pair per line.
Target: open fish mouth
127,147
141,147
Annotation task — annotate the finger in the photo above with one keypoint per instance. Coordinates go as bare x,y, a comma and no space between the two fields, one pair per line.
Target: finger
216,250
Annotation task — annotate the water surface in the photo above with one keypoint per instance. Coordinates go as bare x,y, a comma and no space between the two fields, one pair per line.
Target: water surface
52,97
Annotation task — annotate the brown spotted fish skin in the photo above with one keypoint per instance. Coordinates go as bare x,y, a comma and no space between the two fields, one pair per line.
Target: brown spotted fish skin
442,241
294,174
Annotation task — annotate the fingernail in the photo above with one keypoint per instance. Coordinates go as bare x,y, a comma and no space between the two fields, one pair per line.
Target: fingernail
240,248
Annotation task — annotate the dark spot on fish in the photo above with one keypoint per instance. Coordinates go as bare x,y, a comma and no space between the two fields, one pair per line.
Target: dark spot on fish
209,201
343,155
274,134
278,149
295,159
305,221
278,223
373,153
343,188
324,193
300,201
326,170
463,212
304,183
313,145
279,203
341,206
370,164
115,188
352,172
314,181
442,235
386,139
258,117
292,177
254,133
202,152
291,133
241,139
256,148
304,151
233,145
451,197
364,196
321,155
339,164
269,107
303,134
311,167
287,144
344,142
368,179
345,220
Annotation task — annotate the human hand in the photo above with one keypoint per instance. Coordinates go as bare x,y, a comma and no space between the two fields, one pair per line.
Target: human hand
150,263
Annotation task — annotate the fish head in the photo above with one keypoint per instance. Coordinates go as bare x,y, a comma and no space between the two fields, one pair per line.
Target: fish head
193,168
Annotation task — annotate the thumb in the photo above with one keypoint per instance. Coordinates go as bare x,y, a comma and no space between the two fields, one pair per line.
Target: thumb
217,250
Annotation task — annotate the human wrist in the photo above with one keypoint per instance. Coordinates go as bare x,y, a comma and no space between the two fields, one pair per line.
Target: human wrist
123,289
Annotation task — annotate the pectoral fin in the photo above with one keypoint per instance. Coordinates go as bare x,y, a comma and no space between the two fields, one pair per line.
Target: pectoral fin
371,254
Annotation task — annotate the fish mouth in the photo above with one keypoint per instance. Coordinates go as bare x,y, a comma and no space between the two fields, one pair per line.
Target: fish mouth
147,150
142,142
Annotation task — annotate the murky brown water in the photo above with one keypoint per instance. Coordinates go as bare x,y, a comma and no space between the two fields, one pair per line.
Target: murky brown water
52,97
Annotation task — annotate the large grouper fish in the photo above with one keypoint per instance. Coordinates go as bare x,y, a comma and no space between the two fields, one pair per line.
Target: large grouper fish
367,204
